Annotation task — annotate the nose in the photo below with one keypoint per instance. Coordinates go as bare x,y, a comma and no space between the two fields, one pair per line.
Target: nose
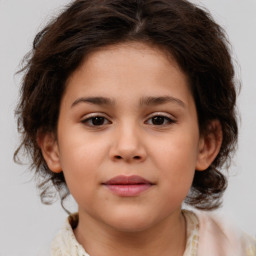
128,145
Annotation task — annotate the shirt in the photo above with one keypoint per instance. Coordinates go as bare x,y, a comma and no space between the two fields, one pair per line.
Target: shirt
206,235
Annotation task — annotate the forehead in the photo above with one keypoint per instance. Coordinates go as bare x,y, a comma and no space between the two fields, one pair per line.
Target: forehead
130,49
128,68
129,54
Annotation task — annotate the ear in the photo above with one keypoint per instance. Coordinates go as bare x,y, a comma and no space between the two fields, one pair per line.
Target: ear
50,150
209,145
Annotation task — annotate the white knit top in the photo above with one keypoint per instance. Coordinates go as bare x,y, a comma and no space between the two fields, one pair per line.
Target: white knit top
206,235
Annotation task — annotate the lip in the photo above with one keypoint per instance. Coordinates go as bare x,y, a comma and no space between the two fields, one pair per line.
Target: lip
128,186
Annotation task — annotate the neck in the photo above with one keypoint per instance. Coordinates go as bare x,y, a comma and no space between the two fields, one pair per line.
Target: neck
167,238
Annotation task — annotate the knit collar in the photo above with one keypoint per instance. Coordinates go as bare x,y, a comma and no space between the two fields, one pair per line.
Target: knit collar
65,243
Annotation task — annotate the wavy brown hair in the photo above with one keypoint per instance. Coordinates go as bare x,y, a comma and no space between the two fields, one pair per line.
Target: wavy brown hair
187,32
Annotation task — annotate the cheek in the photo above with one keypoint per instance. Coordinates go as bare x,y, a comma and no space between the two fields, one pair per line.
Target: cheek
80,151
176,151
176,161
80,166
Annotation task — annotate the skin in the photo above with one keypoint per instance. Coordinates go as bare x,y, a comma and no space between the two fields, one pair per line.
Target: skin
127,140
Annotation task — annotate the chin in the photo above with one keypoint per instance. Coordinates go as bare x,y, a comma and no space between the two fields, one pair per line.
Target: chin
131,222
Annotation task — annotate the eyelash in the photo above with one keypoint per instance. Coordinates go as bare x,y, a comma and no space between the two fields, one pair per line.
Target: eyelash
90,119
167,120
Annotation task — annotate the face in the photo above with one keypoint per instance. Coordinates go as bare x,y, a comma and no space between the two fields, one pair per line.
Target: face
128,140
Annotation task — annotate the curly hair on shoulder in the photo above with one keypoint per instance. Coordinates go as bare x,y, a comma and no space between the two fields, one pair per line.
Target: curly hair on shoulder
185,31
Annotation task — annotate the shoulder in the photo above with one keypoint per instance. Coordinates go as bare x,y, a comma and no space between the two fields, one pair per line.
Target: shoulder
65,243
218,237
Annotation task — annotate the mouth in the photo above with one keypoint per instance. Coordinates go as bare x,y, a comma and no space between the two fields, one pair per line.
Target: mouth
128,186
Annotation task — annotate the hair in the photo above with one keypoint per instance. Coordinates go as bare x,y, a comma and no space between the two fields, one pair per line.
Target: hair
180,28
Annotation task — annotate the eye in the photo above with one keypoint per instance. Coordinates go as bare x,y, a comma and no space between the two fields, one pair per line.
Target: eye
96,121
160,120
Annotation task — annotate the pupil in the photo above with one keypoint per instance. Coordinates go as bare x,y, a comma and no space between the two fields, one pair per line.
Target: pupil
158,120
98,120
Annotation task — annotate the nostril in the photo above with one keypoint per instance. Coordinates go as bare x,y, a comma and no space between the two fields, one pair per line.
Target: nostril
135,157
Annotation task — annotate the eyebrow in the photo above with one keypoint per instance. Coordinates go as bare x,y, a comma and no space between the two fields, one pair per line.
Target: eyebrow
154,101
148,101
94,100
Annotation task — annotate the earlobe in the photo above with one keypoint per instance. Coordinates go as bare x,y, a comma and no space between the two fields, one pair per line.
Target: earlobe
209,145
49,148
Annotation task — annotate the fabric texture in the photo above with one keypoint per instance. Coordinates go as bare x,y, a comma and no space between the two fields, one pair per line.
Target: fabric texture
206,235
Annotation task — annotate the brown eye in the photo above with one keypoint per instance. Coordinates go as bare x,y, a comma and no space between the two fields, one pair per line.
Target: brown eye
96,121
160,120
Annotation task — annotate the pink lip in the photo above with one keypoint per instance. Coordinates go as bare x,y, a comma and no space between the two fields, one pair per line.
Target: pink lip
128,186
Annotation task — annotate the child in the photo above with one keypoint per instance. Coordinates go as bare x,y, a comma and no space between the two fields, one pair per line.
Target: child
129,105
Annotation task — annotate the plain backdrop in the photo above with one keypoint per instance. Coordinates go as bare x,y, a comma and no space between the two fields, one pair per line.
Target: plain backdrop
26,224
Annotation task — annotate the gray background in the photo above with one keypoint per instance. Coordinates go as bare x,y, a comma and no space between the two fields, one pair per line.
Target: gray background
26,224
